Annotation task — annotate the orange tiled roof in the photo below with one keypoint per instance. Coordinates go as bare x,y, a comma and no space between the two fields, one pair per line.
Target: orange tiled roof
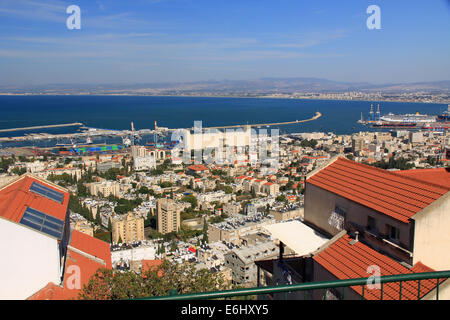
92,246
386,192
78,263
16,197
198,167
346,261
440,176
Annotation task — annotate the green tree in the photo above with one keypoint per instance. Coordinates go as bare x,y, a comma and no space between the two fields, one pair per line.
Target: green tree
205,231
191,199
173,246
107,284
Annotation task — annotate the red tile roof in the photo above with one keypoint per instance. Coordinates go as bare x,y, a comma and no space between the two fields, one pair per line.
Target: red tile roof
440,176
346,261
81,260
384,191
16,197
198,167
92,246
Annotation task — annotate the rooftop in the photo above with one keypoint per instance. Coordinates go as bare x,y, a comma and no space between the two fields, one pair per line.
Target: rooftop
439,176
290,232
387,192
349,261
16,196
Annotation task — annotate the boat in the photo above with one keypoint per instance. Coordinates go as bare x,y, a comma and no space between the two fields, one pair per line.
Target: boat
407,118
384,124
444,116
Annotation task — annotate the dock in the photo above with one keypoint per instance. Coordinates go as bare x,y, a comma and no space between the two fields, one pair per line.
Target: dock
315,117
43,127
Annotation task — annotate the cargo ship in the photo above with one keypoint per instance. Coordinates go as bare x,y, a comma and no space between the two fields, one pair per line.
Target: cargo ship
383,124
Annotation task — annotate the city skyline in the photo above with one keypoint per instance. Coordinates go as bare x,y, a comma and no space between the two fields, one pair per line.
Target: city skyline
181,41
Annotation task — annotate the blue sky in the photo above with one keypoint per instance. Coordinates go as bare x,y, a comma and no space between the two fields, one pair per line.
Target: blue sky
140,41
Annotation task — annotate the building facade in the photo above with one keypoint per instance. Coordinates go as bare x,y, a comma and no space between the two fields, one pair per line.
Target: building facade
168,216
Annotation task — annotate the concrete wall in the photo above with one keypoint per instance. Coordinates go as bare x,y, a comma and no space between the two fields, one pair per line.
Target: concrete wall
30,260
321,274
432,235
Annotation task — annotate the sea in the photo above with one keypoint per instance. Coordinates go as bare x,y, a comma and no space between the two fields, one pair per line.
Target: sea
117,113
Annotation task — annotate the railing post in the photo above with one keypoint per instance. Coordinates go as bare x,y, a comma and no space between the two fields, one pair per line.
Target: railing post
437,290
418,291
362,298
381,295
400,298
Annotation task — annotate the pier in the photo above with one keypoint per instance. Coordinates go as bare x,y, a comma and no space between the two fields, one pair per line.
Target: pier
316,116
43,127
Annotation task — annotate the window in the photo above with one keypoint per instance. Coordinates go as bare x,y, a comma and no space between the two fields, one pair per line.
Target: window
371,224
337,218
394,233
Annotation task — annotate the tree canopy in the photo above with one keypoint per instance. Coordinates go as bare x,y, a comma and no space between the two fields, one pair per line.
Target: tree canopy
108,284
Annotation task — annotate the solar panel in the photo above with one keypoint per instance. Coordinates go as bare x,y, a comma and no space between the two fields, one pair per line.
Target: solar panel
43,222
47,192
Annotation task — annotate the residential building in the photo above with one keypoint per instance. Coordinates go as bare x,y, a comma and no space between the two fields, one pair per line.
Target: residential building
127,228
144,163
270,188
241,261
168,216
400,216
35,226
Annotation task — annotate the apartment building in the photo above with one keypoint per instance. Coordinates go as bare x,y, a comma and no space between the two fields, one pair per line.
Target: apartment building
401,216
127,228
168,216
241,261
105,188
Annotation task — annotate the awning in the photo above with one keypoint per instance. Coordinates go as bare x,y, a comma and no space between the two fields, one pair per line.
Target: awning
297,236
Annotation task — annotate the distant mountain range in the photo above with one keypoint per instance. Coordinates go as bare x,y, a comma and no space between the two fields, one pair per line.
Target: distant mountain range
235,87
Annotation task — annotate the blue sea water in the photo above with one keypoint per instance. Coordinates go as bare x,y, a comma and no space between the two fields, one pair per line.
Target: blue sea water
117,112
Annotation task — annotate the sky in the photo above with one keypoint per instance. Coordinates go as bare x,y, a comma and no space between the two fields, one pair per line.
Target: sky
147,41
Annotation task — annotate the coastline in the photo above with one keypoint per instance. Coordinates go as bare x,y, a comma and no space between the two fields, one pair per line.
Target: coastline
225,96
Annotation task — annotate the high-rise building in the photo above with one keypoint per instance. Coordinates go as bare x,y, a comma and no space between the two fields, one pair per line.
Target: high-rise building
168,216
127,228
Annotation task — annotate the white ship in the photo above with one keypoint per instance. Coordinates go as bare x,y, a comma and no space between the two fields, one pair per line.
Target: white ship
407,118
